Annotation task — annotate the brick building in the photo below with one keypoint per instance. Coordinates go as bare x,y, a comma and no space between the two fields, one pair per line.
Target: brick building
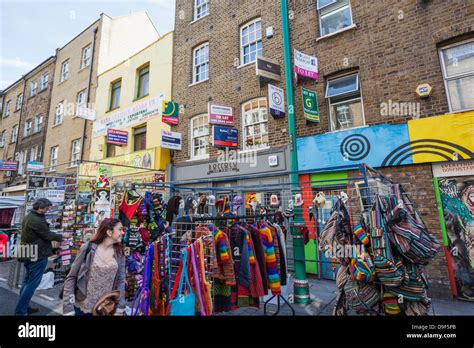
29,100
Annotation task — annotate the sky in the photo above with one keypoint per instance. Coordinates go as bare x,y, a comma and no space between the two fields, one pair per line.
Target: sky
31,30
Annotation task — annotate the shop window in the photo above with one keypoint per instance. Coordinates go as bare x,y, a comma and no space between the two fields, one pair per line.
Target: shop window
75,152
143,81
201,9
251,44
64,71
345,102
53,161
86,56
139,138
199,137
458,71
334,15
115,89
201,63
255,124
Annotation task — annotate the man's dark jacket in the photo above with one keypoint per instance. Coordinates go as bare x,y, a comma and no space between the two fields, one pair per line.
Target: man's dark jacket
35,231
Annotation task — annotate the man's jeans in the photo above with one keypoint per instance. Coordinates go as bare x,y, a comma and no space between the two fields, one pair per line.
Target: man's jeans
34,273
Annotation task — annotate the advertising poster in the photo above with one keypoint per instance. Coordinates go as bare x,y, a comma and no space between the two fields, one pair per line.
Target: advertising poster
225,137
170,112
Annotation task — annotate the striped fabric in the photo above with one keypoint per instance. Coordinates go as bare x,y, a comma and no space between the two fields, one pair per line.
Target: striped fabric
270,260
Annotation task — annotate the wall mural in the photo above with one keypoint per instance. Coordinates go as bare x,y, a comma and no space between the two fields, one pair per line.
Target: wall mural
457,197
432,139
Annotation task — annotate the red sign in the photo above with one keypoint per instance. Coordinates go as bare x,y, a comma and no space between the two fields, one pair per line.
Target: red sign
221,115
117,137
9,166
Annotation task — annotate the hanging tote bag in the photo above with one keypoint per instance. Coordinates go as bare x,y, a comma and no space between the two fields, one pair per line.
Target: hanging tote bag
181,304
362,268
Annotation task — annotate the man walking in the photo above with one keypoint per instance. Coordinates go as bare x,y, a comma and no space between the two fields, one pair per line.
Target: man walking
35,233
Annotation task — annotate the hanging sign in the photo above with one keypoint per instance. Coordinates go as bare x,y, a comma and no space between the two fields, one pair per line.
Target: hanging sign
170,111
310,105
268,69
225,137
277,102
33,166
8,165
453,168
171,140
36,182
117,137
306,65
218,114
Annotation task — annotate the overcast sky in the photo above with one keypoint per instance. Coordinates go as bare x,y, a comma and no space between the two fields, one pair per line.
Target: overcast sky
31,30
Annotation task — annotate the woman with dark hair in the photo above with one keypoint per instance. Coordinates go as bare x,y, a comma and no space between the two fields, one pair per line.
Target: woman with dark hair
98,269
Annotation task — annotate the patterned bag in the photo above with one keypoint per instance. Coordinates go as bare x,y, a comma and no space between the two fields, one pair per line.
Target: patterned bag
361,234
361,297
362,269
413,287
390,304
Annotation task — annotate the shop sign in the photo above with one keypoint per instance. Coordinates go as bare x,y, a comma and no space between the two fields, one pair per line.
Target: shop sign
117,137
221,115
458,168
276,98
225,137
8,165
33,166
223,167
171,140
55,196
310,105
170,112
306,65
133,115
268,69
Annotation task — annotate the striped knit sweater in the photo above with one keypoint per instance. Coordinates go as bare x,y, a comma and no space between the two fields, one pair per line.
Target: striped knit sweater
224,258
270,260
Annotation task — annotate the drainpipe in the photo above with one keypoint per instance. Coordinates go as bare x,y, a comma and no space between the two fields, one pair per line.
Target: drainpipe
88,92
300,288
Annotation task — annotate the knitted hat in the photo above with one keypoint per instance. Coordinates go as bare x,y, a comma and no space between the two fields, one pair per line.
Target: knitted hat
189,204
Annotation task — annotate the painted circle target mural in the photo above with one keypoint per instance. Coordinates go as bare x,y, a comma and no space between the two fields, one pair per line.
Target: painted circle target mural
355,147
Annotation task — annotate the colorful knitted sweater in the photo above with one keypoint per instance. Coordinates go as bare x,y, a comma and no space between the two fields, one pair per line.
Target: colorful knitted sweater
224,258
270,260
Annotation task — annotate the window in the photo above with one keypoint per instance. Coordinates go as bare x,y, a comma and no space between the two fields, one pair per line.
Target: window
33,88
201,8
44,81
81,102
34,153
27,129
75,152
255,123
143,79
115,89
139,138
86,56
345,102
38,123
58,119
111,150
251,45
14,133
7,108
201,63
200,137
458,71
53,162
2,138
334,15
8,173
19,101
64,71
22,160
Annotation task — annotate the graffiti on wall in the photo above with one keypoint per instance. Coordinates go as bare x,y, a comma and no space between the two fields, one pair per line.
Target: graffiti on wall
457,197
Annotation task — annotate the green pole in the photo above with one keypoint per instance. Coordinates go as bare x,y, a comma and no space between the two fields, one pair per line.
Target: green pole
439,204
301,288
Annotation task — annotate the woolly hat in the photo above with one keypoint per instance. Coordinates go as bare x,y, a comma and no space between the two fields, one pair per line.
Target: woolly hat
173,208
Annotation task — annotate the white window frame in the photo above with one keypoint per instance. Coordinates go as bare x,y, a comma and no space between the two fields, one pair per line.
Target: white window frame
44,81
38,125
34,153
249,43
22,161
86,56
59,115
64,74
33,88
75,152
348,99
3,138
196,8
201,65
81,101
326,11
14,134
53,160
7,108
246,147
19,101
28,128
455,77
205,119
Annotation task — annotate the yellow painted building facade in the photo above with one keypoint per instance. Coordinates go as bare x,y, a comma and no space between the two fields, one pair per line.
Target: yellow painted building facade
129,99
